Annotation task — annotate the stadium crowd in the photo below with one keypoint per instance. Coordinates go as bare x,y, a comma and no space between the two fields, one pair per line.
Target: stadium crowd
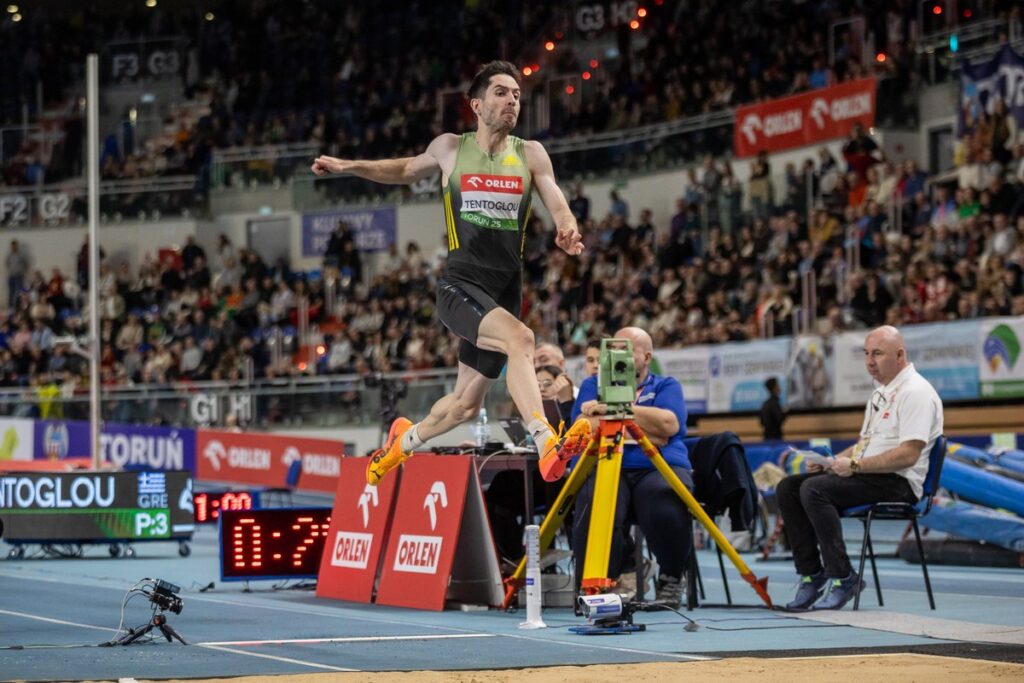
725,267
883,244
364,80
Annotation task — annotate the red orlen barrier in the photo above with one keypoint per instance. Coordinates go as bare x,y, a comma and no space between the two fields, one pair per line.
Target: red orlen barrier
263,459
805,119
358,533
425,532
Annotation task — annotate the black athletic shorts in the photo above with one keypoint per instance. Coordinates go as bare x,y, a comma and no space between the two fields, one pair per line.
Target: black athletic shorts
464,296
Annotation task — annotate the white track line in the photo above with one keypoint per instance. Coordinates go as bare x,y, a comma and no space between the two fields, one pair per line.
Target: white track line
286,660
56,621
353,639
464,632
915,625
334,613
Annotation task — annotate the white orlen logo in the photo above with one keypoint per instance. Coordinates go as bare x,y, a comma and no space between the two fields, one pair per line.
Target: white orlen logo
475,181
214,452
438,494
418,554
751,124
819,110
352,550
367,500
291,454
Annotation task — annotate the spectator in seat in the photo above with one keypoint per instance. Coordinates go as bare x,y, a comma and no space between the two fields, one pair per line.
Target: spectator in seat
889,462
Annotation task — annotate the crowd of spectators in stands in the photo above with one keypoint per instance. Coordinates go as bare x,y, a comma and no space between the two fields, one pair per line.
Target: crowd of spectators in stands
364,80
724,268
729,265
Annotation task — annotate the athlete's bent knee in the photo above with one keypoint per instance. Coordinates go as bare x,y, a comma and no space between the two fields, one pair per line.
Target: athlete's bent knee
522,340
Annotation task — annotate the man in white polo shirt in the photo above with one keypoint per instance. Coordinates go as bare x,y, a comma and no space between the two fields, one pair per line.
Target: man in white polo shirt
889,462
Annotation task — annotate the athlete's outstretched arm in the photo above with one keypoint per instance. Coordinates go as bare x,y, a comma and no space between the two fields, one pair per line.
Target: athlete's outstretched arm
393,171
568,233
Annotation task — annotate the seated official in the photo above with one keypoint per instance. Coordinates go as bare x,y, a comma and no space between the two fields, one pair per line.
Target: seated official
556,386
889,463
644,496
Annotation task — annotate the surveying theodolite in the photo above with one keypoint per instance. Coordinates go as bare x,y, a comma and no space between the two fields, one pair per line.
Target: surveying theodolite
616,389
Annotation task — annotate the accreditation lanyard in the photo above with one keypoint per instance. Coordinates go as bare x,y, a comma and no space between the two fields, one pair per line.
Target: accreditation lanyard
878,413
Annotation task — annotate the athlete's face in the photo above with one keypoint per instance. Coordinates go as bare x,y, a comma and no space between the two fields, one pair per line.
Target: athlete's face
499,108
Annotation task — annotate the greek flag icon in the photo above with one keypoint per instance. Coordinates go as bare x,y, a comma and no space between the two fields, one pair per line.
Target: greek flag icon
152,482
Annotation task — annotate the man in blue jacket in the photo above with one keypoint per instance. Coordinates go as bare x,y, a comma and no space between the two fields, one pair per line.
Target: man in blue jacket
644,496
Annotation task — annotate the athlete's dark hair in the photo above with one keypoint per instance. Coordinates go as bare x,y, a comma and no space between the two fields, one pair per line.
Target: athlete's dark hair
483,77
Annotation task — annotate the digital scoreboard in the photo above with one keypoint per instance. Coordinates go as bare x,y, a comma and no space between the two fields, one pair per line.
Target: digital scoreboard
209,504
83,507
275,543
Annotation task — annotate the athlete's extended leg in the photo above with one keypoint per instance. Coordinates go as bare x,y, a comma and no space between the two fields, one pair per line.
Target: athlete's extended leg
502,332
462,405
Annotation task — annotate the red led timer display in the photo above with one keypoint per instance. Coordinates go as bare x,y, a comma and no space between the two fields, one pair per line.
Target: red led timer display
209,504
273,543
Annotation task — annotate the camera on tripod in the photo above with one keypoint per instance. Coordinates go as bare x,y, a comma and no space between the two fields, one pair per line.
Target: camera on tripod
608,614
616,375
164,596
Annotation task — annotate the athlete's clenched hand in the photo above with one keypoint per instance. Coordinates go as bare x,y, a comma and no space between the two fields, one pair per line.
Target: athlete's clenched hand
569,240
325,164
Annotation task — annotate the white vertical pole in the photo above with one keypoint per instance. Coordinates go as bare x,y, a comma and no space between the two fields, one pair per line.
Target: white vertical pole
534,594
92,93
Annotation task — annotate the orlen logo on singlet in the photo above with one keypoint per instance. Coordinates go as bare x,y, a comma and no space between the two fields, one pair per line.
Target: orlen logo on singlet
491,201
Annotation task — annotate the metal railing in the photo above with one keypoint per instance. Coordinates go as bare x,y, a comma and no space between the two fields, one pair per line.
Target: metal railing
243,167
150,198
967,35
938,62
322,401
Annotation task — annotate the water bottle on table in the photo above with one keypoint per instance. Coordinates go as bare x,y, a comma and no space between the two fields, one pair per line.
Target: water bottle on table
481,430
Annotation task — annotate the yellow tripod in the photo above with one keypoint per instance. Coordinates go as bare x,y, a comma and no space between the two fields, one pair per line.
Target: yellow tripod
605,452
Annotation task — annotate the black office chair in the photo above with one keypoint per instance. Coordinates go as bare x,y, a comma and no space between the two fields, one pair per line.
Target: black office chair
900,511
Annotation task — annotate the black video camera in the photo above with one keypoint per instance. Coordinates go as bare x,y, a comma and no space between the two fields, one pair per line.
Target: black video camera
164,596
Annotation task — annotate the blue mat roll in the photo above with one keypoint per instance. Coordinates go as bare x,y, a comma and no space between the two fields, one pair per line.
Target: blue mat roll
976,523
1010,459
977,485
